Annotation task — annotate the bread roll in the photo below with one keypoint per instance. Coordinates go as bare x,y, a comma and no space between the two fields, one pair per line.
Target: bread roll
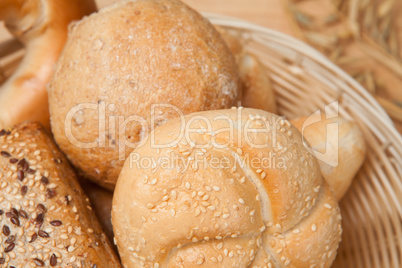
256,86
344,151
241,191
46,219
101,200
258,92
124,59
41,25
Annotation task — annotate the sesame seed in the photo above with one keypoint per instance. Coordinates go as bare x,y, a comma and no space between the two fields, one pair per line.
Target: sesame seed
314,227
64,236
38,262
241,201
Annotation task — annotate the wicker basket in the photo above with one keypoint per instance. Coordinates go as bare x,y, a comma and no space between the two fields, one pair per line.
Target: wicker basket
306,81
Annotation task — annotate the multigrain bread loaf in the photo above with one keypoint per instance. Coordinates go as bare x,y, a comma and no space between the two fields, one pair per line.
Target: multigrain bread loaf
241,191
121,61
46,219
41,25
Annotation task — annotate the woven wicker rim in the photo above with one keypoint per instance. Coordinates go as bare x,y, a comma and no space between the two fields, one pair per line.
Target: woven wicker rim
371,210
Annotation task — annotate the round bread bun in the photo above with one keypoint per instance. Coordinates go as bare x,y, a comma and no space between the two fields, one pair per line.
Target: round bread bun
41,25
344,150
125,59
241,190
46,219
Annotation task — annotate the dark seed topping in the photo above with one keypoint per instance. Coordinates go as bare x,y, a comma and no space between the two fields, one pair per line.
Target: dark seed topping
44,180
33,238
43,234
5,154
14,212
1,212
4,132
23,214
56,223
38,262
30,171
20,175
6,230
10,239
41,207
25,167
13,160
9,247
95,266
2,260
39,218
24,190
9,214
50,193
15,221
39,225
66,200
57,160
21,163
53,260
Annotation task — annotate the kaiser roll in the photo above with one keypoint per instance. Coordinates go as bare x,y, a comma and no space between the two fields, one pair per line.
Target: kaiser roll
225,188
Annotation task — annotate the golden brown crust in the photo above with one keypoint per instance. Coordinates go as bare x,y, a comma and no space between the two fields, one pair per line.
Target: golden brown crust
41,25
345,150
46,218
193,212
132,55
101,200
257,90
